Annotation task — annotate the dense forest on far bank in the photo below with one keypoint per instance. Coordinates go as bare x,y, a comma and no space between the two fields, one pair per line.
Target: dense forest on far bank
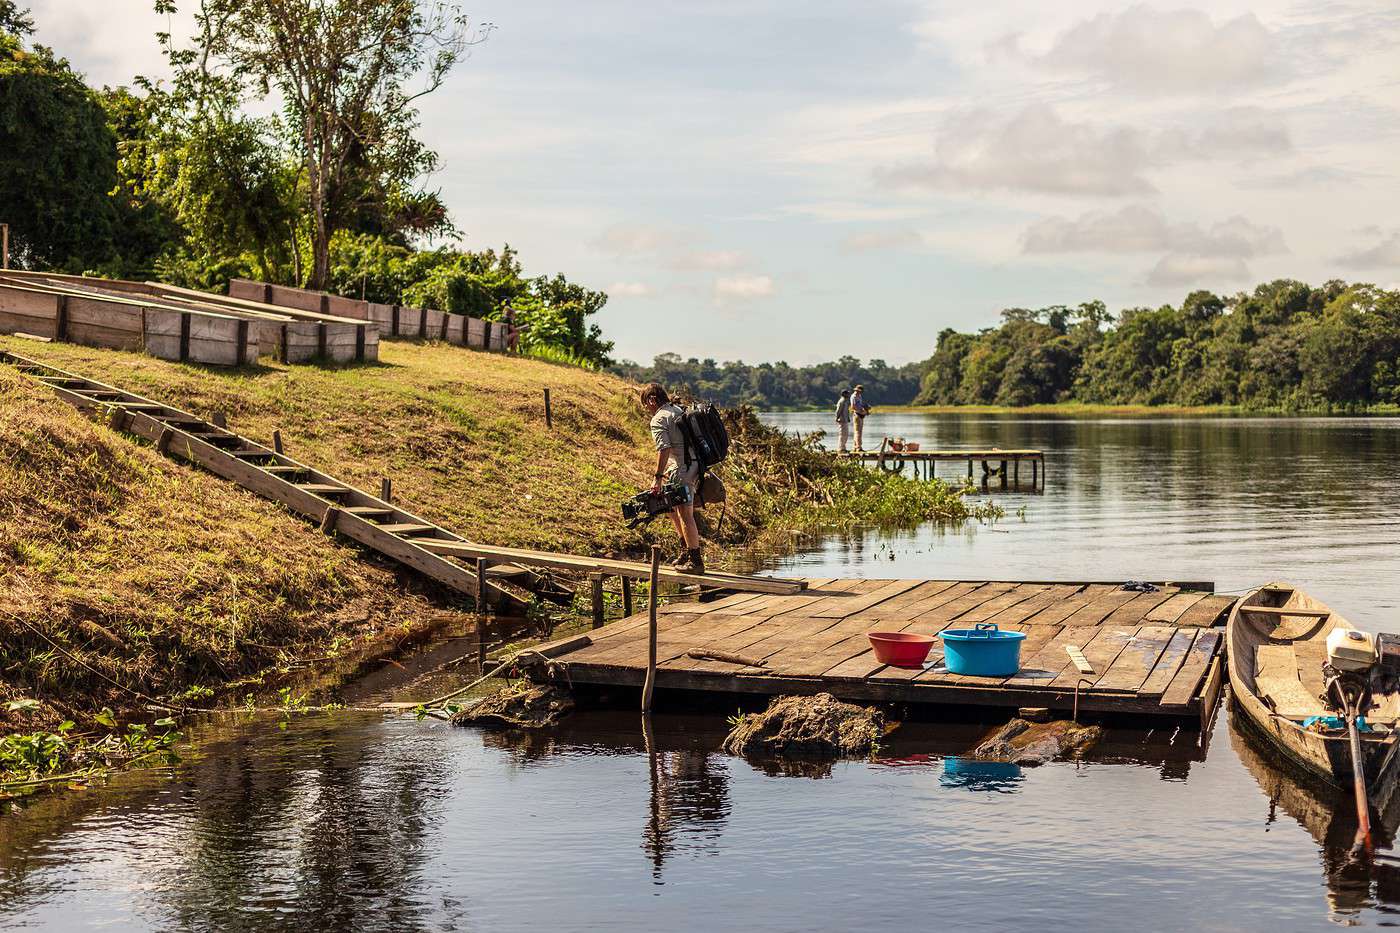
779,385
1286,345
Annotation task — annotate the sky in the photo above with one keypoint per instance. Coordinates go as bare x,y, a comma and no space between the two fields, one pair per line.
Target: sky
799,181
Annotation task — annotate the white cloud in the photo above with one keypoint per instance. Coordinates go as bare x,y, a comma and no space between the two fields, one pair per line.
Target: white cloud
1178,269
1035,149
632,240
735,288
1166,51
628,290
721,260
1137,228
1384,255
882,240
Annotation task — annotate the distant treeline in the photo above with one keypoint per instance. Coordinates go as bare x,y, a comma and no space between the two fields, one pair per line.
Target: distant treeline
1284,345
778,385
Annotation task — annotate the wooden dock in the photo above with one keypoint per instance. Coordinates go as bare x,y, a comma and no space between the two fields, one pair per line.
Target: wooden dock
1151,654
997,464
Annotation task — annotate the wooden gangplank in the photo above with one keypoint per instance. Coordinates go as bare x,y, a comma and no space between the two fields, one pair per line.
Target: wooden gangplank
337,506
1151,654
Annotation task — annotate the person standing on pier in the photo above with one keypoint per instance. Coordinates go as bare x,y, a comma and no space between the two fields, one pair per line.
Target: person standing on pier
674,461
843,417
860,410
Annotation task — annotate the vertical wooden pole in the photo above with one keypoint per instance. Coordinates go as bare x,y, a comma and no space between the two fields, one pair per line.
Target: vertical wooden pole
650,684
1016,473
548,414
386,489
481,590
219,420
626,597
596,585
1003,474
277,441
4,246
969,470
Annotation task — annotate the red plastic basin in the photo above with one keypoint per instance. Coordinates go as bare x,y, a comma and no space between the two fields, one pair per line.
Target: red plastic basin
901,649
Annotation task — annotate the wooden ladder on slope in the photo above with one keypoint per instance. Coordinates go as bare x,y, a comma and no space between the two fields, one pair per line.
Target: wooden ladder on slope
336,506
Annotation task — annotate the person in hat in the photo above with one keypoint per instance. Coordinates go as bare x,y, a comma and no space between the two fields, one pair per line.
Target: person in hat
860,410
843,418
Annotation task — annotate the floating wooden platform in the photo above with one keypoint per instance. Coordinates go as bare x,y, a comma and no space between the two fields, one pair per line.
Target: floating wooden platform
340,508
996,463
1152,654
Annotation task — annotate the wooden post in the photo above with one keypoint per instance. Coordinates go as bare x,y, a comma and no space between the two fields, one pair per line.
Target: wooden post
329,519
4,246
548,415
1035,469
649,685
60,326
596,585
969,469
386,489
1016,473
219,420
1003,474
626,596
184,337
481,590
277,441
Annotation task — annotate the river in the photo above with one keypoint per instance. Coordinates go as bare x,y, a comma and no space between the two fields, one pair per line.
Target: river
354,820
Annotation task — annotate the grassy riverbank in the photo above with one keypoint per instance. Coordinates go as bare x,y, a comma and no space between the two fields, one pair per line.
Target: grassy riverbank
127,573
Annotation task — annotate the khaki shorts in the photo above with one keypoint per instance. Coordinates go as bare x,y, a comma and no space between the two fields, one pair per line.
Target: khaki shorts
690,477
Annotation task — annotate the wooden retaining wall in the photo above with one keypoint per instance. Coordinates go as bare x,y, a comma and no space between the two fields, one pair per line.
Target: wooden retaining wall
127,324
392,320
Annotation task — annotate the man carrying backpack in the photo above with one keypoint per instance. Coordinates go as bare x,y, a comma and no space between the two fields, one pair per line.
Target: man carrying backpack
676,461
860,410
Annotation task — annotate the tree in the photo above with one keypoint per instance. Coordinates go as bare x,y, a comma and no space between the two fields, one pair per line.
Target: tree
58,157
340,70
15,21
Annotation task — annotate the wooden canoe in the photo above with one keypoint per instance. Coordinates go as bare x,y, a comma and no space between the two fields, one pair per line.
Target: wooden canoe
1275,660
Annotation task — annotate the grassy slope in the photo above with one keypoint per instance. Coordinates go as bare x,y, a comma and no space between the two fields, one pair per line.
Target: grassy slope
157,575
461,433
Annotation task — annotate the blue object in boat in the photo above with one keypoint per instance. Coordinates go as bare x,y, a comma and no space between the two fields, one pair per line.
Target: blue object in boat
984,651
1336,722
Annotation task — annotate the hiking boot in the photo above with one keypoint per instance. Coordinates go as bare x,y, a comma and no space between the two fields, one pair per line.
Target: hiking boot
682,560
694,562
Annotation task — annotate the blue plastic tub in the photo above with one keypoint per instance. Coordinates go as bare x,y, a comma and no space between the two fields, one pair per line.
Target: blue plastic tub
984,651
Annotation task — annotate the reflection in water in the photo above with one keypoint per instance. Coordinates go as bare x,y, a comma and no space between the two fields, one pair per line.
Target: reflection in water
1355,879
1003,777
689,793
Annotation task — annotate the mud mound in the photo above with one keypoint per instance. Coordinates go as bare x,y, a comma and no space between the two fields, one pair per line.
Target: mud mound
1027,743
525,706
801,726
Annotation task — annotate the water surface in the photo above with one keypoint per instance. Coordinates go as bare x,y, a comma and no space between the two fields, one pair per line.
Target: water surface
359,821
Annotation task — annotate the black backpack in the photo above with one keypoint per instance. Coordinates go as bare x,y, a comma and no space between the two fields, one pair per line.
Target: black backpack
706,438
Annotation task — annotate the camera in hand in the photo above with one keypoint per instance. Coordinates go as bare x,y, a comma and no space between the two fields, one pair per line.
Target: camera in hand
645,506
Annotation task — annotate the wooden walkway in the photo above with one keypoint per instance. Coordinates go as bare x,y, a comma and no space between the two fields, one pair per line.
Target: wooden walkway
996,463
340,508
1152,654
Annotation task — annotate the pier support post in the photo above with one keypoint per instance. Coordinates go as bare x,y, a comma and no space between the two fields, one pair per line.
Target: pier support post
596,584
277,441
969,469
626,596
1003,474
481,613
1016,473
386,489
649,685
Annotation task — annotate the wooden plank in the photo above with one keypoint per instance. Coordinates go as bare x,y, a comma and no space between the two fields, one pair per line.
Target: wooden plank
1168,663
951,615
1042,668
1003,601
1277,682
1171,610
841,594
863,664
778,605
1134,611
1101,651
1182,690
1206,612
1027,610
1137,659
1057,613
899,606
1283,611
766,640
1099,609
724,604
1076,657
843,607
635,569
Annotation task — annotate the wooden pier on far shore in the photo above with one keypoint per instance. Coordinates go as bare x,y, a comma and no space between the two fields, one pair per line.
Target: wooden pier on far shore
996,463
1150,654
